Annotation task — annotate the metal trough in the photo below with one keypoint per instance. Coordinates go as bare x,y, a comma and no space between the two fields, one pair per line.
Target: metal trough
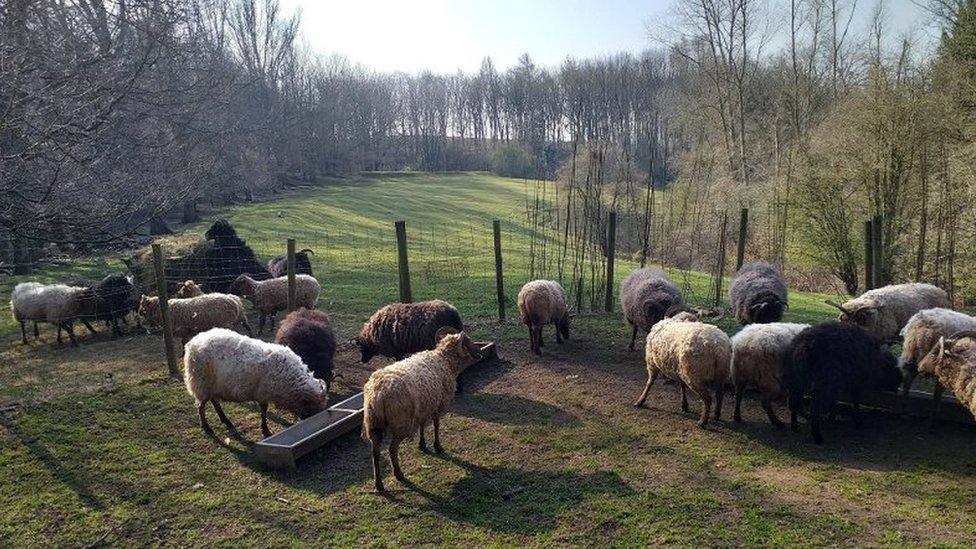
918,403
284,448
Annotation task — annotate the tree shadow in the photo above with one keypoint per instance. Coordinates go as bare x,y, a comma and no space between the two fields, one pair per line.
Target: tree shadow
513,410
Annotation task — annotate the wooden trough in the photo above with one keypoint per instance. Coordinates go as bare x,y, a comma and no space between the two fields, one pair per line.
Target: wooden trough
283,449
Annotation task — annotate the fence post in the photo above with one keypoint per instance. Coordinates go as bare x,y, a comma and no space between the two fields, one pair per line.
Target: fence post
868,255
611,254
743,229
496,227
291,274
721,259
879,266
402,263
161,291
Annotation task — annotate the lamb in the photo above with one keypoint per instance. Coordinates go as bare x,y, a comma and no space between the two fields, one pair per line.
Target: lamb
758,352
695,354
57,304
271,296
194,315
405,396
541,302
758,294
885,311
278,266
400,329
646,295
224,365
953,362
309,333
832,358
188,289
922,333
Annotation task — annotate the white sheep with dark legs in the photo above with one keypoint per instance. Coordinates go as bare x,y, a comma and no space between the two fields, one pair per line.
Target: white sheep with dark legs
541,302
883,312
646,296
223,365
56,304
758,352
953,362
758,293
404,397
194,315
271,296
922,334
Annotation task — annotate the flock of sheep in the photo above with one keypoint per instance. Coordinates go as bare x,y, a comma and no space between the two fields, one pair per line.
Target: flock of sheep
825,361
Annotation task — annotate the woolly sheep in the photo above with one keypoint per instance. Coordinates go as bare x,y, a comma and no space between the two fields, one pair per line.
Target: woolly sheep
399,329
758,351
224,365
109,300
922,333
832,358
405,396
56,304
309,333
194,315
278,266
695,354
885,311
646,295
953,362
758,293
541,302
188,289
271,296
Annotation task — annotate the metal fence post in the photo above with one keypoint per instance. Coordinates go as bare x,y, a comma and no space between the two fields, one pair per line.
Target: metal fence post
496,227
611,254
291,274
402,263
743,231
161,291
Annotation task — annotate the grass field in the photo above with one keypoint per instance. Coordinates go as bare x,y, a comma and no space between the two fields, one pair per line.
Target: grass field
100,446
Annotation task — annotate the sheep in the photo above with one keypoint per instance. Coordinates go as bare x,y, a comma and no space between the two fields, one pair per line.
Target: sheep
193,315
541,302
278,266
110,300
758,351
271,296
885,311
57,304
309,333
645,297
831,358
405,396
221,364
758,293
188,289
953,362
922,333
399,329
695,354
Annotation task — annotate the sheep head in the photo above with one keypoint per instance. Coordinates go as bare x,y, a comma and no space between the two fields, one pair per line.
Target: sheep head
862,316
459,346
308,405
367,349
242,286
149,308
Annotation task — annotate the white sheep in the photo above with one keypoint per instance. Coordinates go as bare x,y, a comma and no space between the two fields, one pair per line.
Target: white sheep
270,296
758,352
190,316
883,312
221,364
541,302
405,396
56,304
953,362
695,354
922,333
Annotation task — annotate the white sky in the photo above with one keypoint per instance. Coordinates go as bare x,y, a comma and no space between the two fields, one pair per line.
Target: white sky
444,35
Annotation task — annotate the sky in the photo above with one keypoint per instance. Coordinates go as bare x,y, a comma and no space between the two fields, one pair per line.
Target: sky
446,35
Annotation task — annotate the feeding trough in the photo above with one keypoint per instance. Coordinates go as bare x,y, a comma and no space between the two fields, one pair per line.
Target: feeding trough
284,448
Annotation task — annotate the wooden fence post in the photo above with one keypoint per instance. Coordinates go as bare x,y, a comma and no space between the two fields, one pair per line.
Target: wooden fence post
161,291
402,263
879,266
868,255
496,227
743,230
721,259
291,274
611,255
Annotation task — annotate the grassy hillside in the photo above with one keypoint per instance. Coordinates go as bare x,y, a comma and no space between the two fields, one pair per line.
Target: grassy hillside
97,445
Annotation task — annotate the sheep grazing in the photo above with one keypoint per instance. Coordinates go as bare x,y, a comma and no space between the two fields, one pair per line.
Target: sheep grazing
271,296
309,333
646,295
696,355
758,294
56,304
921,335
405,396
278,266
401,329
832,358
224,365
953,362
758,352
885,311
541,302
188,289
194,315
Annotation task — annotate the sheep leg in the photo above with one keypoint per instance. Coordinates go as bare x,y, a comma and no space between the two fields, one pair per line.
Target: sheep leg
23,330
739,392
539,337
264,419
223,417
437,436
375,449
37,332
59,333
767,406
201,410
936,399
651,376
794,401
684,397
261,324
816,414
68,327
633,338
559,337
422,445
395,460
89,326
706,401
719,396
247,327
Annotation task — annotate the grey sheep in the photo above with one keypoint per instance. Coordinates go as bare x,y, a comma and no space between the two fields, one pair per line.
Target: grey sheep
646,296
758,294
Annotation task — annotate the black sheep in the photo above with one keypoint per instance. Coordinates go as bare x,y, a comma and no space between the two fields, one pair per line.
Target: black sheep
110,300
309,333
278,266
229,257
830,359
